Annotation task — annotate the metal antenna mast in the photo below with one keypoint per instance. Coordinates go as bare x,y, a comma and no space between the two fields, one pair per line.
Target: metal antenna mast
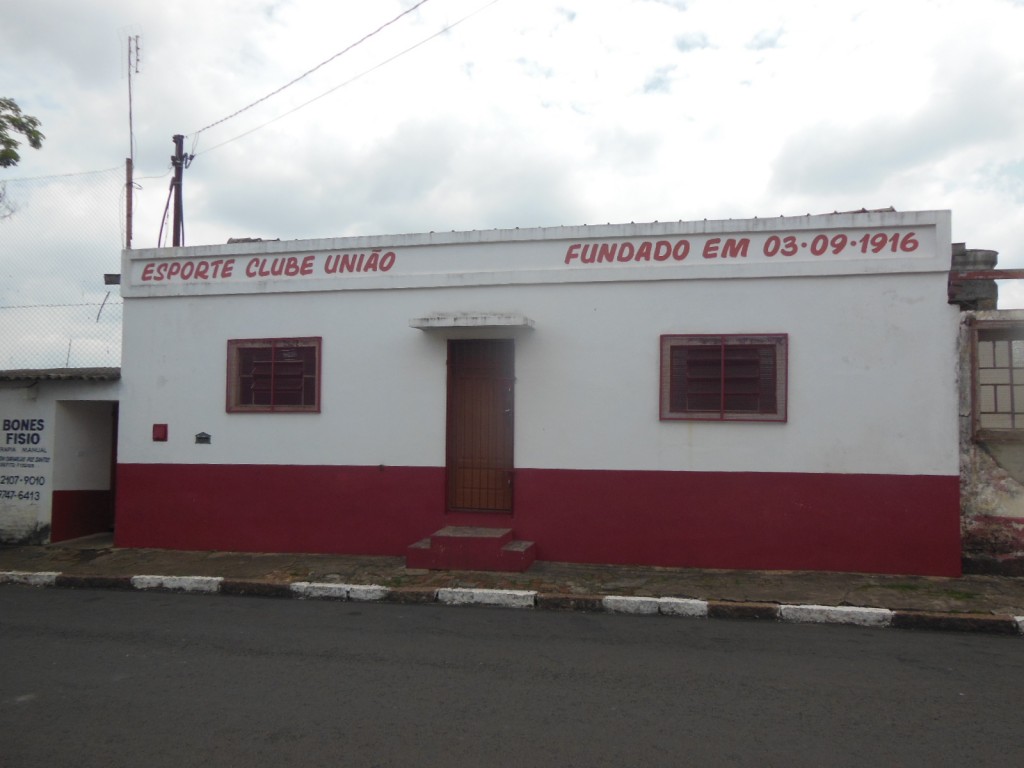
129,163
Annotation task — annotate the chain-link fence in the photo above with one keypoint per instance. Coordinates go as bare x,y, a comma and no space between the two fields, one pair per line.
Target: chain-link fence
58,236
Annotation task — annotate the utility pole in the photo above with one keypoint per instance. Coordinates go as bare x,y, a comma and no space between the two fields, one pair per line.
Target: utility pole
129,186
178,161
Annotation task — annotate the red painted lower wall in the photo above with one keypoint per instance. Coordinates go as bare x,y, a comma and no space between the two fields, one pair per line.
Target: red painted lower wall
80,513
247,508
746,520
789,521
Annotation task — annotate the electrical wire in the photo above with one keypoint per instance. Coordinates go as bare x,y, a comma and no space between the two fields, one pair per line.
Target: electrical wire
102,306
350,80
163,220
143,178
65,175
314,69
51,306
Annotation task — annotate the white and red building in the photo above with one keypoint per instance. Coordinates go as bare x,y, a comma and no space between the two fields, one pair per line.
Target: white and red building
766,393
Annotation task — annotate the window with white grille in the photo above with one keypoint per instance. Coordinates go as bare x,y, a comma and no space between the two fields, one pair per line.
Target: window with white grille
999,380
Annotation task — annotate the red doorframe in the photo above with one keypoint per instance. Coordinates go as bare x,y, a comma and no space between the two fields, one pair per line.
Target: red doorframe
113,464
479,451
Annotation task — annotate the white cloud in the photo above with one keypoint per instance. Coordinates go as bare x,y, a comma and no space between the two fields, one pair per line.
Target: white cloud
530,113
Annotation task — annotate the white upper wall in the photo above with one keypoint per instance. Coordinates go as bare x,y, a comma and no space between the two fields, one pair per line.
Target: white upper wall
835,244
872,350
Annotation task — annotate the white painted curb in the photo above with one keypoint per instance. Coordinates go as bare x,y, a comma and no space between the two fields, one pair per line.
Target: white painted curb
836,614
206,584
32,578
639,606
682,606
502,598
367,592
320,590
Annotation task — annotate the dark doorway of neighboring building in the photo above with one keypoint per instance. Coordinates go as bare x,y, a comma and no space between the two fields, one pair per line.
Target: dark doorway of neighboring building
84,470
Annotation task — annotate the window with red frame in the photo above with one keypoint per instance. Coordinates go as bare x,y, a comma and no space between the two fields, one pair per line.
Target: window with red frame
274,375
724,377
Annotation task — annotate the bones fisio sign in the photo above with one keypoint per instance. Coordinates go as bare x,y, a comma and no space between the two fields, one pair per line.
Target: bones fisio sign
23,431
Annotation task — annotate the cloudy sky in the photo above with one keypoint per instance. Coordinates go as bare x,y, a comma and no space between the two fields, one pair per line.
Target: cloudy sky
473,114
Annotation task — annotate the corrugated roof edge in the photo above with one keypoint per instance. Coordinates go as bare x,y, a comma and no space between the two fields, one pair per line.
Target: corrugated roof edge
61,374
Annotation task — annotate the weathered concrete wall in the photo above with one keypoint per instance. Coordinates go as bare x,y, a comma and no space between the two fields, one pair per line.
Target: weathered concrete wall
26,471
991,473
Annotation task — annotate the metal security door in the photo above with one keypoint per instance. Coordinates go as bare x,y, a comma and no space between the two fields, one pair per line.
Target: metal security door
481,375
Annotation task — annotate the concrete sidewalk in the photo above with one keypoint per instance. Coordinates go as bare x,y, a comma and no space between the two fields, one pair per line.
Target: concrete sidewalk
976,603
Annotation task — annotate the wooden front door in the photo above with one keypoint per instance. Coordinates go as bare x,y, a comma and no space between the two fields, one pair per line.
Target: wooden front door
481,375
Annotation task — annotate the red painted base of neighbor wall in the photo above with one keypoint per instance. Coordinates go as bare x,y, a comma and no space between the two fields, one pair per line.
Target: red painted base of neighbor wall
866,523
80,513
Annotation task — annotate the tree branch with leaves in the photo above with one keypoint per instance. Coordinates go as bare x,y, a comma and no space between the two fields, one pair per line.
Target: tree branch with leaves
12,123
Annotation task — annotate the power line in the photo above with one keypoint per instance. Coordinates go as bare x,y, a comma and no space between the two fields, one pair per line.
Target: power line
314,69
161,176
82,173
51,306
351,79
64,175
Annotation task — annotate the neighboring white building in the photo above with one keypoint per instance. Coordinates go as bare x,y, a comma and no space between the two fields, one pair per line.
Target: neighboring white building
57,453
766,393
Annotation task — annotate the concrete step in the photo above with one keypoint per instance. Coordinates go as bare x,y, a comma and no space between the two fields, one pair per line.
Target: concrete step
472,548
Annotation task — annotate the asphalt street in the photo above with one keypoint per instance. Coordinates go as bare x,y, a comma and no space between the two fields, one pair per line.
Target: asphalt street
116,678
